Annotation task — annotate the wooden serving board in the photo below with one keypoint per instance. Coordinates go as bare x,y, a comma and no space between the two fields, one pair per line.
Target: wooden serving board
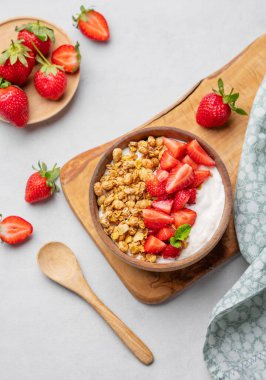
40,109
245,74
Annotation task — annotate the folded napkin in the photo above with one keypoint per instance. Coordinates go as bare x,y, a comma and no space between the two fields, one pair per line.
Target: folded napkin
235,346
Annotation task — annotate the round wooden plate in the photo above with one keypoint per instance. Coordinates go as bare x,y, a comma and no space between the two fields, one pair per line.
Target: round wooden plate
40,109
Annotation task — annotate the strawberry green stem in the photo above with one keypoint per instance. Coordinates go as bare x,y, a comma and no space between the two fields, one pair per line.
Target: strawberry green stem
40,54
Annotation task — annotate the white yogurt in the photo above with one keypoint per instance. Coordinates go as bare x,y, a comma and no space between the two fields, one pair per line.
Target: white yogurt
209,207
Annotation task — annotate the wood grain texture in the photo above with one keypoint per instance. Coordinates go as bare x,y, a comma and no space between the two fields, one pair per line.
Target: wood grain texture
40,109
245,74
59,263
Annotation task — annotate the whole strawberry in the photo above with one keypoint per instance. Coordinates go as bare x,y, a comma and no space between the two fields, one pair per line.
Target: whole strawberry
92,24
215,108
41,184
42,36
14,105
50,80
16,63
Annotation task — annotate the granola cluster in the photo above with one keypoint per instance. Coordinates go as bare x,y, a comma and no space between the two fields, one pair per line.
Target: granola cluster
122,195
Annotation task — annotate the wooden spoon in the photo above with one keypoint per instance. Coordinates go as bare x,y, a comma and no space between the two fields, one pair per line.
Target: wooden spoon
59,263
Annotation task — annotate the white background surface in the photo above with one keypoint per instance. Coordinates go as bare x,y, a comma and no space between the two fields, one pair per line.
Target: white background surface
157,52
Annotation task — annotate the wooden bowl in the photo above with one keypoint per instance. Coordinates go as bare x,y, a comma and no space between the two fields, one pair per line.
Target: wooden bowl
176,134
41,109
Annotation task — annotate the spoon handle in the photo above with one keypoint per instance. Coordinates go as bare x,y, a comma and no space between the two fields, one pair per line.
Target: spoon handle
137,347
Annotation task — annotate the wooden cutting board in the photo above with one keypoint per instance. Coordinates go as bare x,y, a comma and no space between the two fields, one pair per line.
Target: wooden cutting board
245,74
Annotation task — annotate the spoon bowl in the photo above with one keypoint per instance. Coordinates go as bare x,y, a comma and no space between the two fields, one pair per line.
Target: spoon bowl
59,263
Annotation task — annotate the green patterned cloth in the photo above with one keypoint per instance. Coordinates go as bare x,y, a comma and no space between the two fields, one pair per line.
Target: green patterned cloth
235,346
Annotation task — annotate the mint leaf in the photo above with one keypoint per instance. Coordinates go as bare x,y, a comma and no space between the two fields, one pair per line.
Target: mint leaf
183,232
175,243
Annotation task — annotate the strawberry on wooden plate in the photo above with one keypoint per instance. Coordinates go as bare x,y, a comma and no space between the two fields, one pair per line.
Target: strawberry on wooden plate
179,178
92,24
200,177
14,105
14,230
184,216
68,57
167,161
164,205
155,219
188,160
165,233
153,245
16,63
177,148
154,187
198,154
42,36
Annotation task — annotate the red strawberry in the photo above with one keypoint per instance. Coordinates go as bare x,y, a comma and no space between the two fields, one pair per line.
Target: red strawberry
68,57
215,108
189,161
179,178
92,24
184,216
41,185
16,63
171,252
177,148
198,154
193,195
163,205
165,233
154,219
154,187
153,245
181,199
162,175
14,230
14,105
168,162
200,177
50,81
40,35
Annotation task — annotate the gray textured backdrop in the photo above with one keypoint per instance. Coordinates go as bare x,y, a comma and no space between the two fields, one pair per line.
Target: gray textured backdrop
157,52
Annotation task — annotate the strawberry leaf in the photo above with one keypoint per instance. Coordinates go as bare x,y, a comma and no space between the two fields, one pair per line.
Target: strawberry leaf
240,111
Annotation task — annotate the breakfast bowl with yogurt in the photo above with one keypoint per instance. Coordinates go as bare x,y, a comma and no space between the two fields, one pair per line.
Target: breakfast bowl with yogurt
160,198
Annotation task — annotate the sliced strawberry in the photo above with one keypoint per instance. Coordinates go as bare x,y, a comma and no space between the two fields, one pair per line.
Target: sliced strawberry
177,148
152,232
200,177
167,161
171,252
154,187
14,230
163,205
184,216
189,161
153,245
179,178
155,219
165,233
181,199
67,56
198,154
162,175
193,195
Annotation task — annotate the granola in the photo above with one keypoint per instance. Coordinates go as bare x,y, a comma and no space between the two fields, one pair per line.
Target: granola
122,195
